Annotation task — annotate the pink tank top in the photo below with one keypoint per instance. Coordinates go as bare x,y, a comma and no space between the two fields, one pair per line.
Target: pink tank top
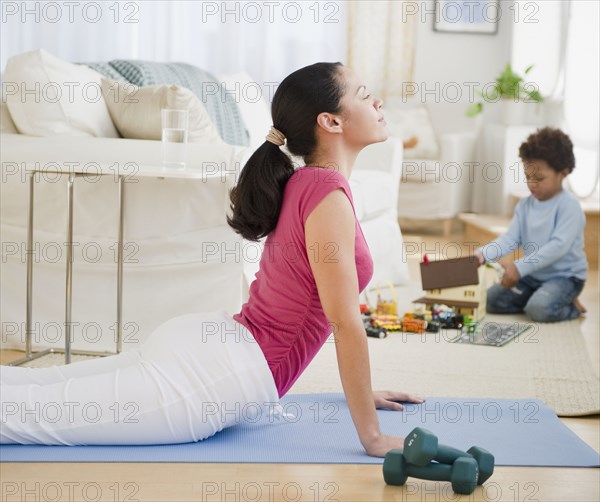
283,311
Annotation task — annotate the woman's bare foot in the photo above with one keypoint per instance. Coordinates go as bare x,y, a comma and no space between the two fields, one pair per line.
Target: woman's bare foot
579,306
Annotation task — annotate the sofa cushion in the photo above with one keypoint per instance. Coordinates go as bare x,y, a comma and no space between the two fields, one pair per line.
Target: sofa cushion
426,201
436,171
136,111
413,120
47,96
106,70
372,192
387,249
221,106
255,111
7,126
421,171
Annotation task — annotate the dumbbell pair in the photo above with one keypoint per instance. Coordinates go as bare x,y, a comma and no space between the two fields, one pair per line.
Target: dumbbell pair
464,470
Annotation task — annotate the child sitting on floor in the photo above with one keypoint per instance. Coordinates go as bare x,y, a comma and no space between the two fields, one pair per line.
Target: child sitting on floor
548,225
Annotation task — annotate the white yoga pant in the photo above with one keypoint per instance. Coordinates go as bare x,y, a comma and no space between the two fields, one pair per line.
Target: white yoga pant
195,375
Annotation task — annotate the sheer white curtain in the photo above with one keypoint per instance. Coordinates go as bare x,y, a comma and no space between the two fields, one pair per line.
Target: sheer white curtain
537,40
267,39
381,44
582,90
561,39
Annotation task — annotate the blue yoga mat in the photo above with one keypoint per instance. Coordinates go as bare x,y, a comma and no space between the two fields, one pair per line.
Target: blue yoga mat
521,432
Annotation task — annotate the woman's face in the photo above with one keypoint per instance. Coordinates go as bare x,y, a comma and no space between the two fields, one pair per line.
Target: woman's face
361,115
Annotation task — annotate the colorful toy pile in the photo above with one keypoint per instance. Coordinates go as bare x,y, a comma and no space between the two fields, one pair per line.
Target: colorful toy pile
377,324
448,319
372,329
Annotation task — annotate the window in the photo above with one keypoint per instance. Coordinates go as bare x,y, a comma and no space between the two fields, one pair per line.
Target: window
560,39
581,104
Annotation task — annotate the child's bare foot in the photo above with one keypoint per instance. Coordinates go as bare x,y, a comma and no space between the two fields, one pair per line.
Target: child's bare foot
579,306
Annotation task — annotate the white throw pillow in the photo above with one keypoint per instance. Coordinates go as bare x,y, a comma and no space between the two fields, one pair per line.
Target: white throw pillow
408,121
136,111
47,96
253,103
7,126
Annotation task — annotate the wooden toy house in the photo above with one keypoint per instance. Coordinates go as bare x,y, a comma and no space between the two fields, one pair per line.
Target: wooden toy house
458,283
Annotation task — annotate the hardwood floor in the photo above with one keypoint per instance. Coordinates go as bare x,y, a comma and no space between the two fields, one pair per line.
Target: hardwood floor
308,482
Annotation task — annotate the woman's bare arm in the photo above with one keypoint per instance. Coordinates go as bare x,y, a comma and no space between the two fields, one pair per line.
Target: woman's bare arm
331,226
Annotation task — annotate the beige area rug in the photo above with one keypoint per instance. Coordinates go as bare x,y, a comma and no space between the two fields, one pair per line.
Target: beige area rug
549,362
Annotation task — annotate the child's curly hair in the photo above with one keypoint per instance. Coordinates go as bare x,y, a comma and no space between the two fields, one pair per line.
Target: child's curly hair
550,145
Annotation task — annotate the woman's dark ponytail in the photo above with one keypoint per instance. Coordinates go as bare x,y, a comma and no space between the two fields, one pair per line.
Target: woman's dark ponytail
257,198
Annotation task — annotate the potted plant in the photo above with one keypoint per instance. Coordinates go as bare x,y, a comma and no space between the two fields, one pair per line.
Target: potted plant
514,93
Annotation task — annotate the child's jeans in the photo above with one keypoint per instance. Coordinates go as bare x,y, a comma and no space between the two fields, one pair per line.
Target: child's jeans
547,301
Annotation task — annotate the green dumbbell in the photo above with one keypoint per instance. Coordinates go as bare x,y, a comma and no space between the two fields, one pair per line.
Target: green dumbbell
462,473
421,447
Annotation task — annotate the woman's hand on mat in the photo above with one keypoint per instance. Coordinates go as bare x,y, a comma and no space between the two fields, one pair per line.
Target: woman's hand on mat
480,258
380,445
511,275
388,400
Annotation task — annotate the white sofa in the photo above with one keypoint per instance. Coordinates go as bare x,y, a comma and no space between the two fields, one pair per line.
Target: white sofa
180,255
438,175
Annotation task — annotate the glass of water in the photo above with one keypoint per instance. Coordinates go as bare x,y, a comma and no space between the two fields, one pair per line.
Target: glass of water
174,137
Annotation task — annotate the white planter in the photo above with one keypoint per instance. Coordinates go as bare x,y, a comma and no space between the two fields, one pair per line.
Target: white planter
554,112
536,113
522,113
513,112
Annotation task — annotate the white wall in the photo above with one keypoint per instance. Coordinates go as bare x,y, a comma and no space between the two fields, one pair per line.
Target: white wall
450,60
457,57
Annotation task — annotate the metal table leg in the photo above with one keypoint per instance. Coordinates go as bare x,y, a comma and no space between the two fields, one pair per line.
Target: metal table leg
29,258
29,354
69,279
29,254
120,266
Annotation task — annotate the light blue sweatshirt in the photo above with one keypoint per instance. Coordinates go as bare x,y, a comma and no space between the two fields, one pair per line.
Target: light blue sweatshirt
551,235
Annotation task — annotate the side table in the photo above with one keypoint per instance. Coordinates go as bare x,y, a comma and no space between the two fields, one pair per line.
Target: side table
74,170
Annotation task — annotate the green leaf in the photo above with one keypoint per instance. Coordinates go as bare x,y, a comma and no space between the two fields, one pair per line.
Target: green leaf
536,96
492,94
474,109
508,85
